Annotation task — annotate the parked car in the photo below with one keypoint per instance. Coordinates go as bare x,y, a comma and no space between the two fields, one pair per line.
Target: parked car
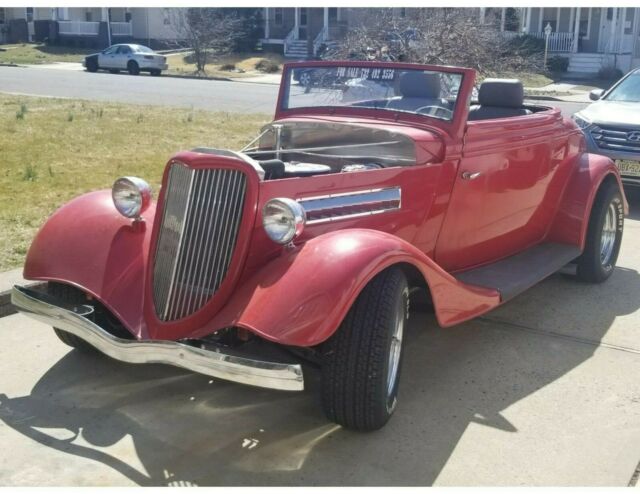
132,58
305,246
612,125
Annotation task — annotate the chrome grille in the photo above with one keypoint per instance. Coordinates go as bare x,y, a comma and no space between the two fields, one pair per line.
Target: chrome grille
615,138
198,233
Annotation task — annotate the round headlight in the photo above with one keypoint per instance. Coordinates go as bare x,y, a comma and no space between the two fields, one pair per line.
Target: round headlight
283,219
131,196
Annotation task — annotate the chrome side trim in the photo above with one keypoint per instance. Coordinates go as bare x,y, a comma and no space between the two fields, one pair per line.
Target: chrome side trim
334,207
273,375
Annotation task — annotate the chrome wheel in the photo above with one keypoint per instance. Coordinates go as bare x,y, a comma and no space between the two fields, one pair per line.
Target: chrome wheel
608,235
395,349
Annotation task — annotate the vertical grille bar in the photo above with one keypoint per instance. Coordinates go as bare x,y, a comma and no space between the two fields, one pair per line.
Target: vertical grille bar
198,234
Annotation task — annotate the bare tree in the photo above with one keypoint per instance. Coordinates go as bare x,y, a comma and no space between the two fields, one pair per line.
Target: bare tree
444,36
210,32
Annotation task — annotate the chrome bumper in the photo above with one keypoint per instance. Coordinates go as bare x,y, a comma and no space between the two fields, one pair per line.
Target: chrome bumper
273,375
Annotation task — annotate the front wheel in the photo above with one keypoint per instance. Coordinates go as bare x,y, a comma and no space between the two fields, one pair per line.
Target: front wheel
70,295
92,65
362,360
604,236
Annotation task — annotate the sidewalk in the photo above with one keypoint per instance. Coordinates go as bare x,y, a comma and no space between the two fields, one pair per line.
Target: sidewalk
561,91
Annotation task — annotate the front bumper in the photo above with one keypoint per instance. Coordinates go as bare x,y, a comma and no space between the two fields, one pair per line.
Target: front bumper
593,147
273,375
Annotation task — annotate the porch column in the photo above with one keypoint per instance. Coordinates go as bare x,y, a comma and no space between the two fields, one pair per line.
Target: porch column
296,22
612,34
104,14
527,24
266,23
540,19
623,20
558,14
482,9
576,31
105,18
502,18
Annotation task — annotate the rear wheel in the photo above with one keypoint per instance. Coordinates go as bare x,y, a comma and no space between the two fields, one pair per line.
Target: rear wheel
362,360
604,236
133,68
70,295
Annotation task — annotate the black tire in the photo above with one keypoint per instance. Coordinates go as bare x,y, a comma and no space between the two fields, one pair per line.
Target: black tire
357,390
133,67
92,65
73,296
156,72
596,263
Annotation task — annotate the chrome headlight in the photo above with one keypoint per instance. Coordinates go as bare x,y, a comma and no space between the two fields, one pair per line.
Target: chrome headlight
131,196
580,121
283,219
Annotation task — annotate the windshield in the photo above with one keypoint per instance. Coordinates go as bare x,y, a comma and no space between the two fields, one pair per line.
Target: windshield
430,93
628,90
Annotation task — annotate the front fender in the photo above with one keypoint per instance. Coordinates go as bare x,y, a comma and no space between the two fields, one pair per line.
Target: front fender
301,297
88,244
572,218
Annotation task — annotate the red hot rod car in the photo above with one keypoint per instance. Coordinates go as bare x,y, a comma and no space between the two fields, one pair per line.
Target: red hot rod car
305,246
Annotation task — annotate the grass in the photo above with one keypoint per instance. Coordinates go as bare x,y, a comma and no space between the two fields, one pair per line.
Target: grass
244,64
60,149
35,53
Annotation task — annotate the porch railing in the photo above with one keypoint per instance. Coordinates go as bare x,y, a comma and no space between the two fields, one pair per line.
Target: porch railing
78,28
288,40
121,29
558,42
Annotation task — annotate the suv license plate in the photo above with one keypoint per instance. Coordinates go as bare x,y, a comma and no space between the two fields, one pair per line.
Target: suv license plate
629,168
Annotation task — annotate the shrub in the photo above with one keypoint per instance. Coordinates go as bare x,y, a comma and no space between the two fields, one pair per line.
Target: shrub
228,66
30,174
526,44
610,73
558,64
267,66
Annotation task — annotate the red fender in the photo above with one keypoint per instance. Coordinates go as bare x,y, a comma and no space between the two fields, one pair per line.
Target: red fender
301,297
88,244
572,219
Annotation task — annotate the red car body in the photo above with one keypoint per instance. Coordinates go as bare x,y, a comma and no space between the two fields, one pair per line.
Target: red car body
535,185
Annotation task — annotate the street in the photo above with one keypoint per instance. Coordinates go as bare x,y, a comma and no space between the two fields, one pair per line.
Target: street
542,391
244,97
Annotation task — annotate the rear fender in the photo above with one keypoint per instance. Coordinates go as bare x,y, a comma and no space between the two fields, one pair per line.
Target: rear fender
301,297
572,219
88,244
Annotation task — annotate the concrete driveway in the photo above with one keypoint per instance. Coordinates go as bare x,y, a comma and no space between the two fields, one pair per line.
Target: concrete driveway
542,391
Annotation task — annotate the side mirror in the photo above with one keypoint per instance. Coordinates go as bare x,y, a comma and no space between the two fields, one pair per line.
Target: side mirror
596,94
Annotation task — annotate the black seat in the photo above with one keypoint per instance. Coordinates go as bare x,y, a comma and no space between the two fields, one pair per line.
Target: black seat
417,90
499,98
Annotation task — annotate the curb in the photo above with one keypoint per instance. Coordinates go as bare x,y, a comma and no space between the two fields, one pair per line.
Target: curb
6,309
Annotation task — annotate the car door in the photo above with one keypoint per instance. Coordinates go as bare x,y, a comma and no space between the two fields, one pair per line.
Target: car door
107,58
123,56
510,177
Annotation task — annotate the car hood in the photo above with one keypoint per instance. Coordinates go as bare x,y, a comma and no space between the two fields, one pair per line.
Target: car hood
622,113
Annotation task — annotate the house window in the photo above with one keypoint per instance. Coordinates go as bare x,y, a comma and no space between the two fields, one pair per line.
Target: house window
278,17
303,16
1,16
88,16
403,12
585,23
127,17
333,14
29,14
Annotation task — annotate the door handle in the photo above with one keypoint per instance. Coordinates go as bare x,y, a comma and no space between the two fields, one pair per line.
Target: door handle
470,175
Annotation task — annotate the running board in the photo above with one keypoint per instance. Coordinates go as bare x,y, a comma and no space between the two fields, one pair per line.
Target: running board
513,275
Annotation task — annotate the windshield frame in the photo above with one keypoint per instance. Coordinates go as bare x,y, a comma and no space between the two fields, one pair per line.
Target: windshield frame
605,97
453,127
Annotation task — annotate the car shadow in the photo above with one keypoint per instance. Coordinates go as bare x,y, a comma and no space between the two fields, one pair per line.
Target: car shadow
157,425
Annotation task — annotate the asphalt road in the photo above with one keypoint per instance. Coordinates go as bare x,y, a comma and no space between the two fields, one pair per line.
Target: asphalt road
542,391
233,96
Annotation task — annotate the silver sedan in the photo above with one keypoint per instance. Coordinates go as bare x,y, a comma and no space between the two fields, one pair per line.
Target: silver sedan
611,125
130,57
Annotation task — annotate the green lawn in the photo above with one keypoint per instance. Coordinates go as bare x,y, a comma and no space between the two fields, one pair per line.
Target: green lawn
244,64
53,150
33,53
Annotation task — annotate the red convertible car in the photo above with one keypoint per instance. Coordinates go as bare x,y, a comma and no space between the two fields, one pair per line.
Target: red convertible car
305,246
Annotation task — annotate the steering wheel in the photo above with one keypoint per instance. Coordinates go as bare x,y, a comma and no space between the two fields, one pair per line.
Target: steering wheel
436,111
